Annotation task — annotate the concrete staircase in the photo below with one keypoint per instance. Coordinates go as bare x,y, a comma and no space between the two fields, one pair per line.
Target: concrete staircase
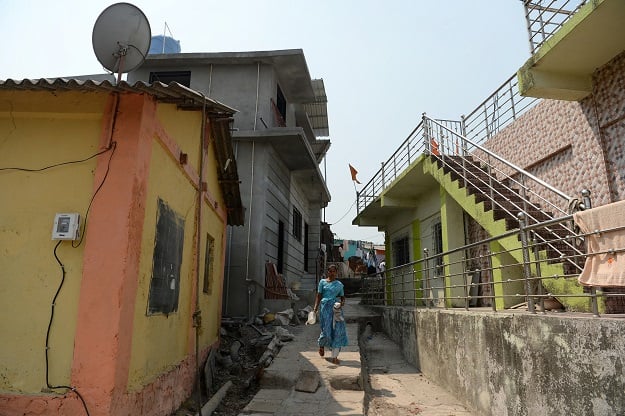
494,205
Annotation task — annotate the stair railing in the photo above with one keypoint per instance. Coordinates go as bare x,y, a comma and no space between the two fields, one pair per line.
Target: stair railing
410,149
479,171
438,131
497,111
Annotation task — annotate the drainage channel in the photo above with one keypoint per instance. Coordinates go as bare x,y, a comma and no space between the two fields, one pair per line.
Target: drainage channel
365,335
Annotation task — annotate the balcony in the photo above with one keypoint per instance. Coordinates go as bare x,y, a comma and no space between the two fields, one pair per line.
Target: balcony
562,64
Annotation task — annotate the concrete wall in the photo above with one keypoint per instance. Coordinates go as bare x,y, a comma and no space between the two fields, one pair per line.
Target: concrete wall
234,85
245,258
274,194
517,363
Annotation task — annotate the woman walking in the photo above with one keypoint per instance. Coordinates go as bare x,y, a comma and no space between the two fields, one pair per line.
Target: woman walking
333,331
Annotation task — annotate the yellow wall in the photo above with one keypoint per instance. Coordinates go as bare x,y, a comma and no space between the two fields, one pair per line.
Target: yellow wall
161,342
452,222
29,273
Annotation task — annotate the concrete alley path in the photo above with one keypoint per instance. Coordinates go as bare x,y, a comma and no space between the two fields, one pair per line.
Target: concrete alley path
300,382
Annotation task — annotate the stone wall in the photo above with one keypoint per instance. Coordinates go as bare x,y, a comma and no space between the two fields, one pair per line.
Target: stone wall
516,363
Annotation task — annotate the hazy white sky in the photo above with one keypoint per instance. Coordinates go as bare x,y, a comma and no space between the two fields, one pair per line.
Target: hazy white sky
383,63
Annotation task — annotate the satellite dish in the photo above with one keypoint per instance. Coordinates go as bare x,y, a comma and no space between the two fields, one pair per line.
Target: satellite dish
121,38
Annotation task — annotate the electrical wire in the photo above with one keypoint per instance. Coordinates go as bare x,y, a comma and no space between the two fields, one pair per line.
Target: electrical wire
112,148
139,50
344,215
58,290
58,164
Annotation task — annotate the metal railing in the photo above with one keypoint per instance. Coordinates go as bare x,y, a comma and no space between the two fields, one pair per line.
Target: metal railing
475,278
408,152
499,110
545,17
503,187
476,158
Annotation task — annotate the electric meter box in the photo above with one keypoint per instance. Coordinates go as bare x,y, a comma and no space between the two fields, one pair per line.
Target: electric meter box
66,226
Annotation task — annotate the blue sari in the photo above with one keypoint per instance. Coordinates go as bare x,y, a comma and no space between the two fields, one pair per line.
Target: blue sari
333,333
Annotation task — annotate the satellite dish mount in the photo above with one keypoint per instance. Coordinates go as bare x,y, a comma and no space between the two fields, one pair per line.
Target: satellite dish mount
121,38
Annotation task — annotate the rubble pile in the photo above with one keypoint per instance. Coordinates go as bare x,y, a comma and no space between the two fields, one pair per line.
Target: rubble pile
245,350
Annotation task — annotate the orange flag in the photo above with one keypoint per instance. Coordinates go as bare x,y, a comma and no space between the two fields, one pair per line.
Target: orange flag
354,172
434,147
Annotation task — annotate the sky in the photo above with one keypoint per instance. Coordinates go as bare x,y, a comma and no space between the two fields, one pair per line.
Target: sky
383,63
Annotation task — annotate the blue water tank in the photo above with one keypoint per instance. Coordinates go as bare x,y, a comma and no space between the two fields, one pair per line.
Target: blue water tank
164,44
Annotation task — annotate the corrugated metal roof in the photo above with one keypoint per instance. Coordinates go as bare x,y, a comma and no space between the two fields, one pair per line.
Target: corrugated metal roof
318,110
173,93
220,114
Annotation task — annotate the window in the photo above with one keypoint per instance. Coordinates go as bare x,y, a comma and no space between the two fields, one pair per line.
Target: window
181,77
305,247
280,246
166,261
209,256
400,249
297,224
281,104
437,236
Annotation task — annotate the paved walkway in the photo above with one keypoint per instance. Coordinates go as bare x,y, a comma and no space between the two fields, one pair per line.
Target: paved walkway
300,382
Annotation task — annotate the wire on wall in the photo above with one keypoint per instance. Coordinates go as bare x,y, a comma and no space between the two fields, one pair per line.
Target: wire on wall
58,290
59,164
112,148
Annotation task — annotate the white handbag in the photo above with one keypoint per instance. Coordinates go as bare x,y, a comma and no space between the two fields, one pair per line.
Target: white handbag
312,318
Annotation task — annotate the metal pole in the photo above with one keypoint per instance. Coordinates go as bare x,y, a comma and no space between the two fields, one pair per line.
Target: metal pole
541,298
593,300
586,199
489,259
512,102
442,268
527,272
383,179
465,285
428,291
403,287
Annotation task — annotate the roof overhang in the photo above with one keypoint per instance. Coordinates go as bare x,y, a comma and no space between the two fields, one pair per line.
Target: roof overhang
289,64
320,148
174,93
318,110
296,153
220,119
227,172
562,68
